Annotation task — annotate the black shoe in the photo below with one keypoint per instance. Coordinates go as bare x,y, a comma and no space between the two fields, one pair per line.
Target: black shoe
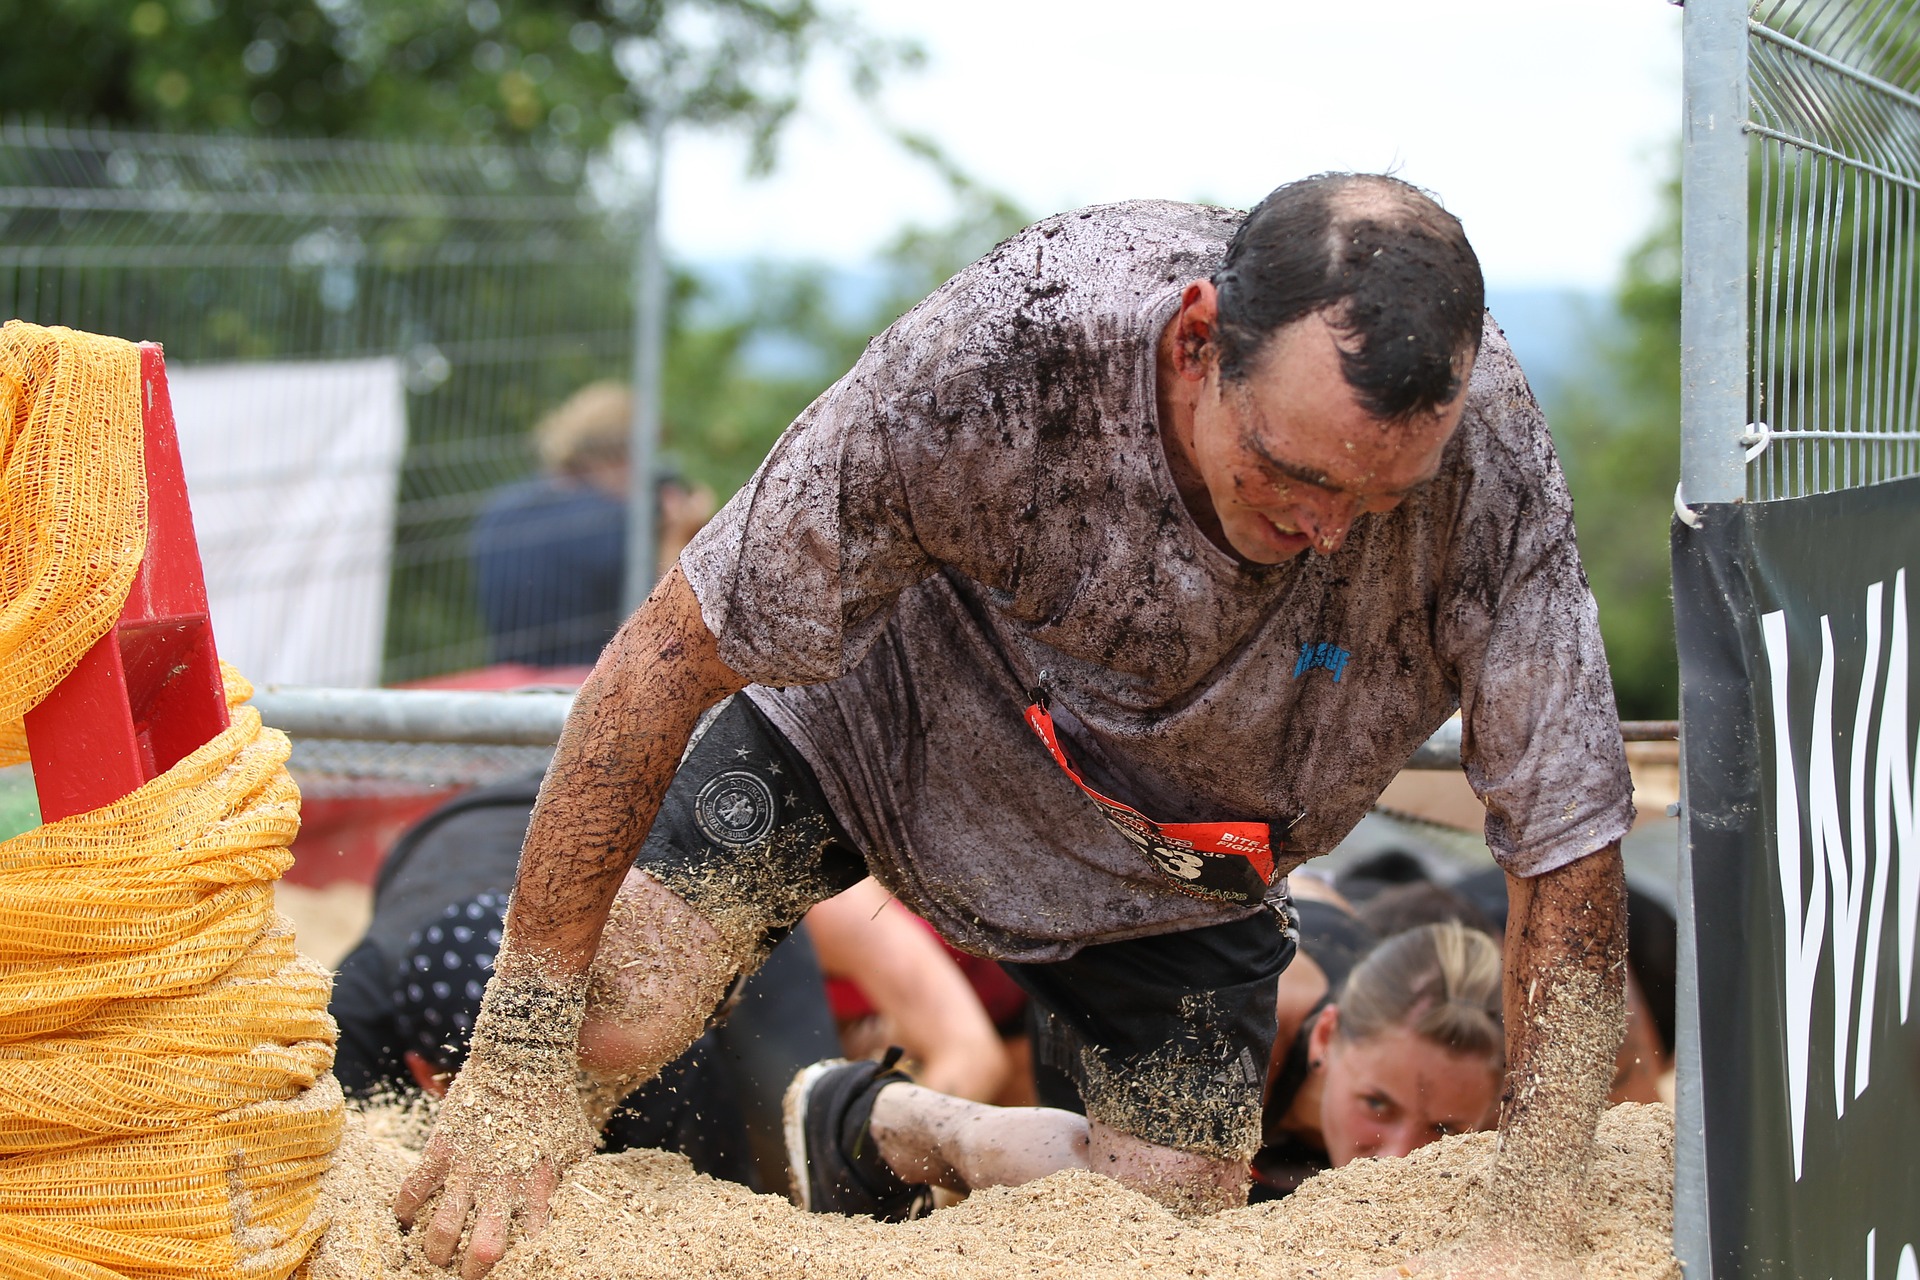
835,1162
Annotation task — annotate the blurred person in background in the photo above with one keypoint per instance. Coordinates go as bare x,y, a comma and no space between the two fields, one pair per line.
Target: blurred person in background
549,553
1395,893
1400,907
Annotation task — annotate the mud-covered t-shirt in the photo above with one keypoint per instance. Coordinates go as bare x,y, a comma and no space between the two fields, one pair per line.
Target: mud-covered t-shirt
983,504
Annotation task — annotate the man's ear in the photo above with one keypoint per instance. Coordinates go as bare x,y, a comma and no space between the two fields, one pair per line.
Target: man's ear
431,1080
1196,330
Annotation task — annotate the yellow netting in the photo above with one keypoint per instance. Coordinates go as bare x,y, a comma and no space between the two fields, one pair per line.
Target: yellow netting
165,1102
73,505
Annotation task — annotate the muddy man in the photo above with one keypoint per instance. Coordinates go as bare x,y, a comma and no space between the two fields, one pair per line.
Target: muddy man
1115,580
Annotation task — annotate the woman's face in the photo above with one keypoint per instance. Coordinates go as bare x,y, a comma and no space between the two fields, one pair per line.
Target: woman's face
1395,1092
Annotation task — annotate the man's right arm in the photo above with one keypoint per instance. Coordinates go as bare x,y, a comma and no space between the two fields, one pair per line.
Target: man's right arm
628,729
512,1123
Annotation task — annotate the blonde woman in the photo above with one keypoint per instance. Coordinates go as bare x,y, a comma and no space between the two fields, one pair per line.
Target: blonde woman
1409,1049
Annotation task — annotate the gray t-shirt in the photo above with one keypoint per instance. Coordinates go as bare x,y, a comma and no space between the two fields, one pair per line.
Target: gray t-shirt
984,498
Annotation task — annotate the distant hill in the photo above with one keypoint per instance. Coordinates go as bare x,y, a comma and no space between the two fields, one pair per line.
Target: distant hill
1549,329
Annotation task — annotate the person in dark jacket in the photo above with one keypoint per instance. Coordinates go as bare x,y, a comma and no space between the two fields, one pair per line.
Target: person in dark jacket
550,553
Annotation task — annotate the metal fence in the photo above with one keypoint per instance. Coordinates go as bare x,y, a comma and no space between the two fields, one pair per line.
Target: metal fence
1801,212
1800,322
367,331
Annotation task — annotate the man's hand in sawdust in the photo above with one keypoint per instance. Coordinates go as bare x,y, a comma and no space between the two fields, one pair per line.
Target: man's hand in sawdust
511,1125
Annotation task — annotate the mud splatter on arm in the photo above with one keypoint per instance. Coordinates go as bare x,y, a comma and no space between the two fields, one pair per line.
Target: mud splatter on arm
616,756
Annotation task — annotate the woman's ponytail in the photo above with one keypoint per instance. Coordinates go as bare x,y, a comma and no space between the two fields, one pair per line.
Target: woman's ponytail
1441,981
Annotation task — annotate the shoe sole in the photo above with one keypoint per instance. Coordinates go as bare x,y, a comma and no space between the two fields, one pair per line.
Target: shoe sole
793,1117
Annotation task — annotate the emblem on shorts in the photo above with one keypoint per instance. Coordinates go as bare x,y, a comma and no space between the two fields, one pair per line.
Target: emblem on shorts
735,807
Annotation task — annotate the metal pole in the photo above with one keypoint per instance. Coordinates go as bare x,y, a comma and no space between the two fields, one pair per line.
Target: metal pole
649,360
1692,1236
529,719
1713,253
1714,272
533,718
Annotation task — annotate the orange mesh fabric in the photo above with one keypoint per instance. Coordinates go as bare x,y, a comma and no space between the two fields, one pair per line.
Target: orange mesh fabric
166,1107
165,1102
73,505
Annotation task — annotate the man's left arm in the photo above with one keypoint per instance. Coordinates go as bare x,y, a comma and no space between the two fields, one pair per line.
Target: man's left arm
1565,1000
1566,957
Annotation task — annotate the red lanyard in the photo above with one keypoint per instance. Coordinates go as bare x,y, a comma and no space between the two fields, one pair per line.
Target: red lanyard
1224,861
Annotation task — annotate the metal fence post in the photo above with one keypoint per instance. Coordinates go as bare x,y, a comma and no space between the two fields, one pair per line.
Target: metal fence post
649,364
1713,410
1714,271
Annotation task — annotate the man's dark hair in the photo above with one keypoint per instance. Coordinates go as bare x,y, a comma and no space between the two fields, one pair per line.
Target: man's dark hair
1391,269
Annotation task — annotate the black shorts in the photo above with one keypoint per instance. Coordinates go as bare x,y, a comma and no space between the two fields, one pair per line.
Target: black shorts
1163,1038
744,833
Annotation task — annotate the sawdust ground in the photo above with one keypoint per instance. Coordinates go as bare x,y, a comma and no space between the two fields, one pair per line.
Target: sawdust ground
644,1215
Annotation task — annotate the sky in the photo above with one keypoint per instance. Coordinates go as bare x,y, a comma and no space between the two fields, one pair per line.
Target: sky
1546,125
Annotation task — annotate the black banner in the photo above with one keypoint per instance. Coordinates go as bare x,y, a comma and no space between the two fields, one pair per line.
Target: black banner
1800,679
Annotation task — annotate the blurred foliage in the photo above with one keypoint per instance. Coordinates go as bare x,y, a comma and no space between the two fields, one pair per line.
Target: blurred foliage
19,803
497,315
1616,421
726,401
552,73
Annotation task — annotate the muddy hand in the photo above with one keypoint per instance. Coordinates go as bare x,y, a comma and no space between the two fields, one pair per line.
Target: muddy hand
495,1156
511,1124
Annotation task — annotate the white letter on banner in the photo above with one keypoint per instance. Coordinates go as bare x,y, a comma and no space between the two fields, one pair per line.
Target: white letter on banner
1823,816
1851,881
1909,1265
1900,790
1893,739
1804,924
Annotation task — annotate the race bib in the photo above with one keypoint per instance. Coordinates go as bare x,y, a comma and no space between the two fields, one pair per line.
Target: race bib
1222,861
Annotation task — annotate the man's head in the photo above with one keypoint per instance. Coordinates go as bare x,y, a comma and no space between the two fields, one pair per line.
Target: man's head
586,437
1326,361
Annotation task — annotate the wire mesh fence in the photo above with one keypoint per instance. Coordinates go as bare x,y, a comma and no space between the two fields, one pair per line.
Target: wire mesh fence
358,338
1833,341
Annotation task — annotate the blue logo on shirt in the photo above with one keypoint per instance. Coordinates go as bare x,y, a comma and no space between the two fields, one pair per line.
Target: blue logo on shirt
1324,656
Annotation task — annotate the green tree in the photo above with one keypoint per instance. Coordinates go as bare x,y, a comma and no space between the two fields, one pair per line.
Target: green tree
1617,424
558,73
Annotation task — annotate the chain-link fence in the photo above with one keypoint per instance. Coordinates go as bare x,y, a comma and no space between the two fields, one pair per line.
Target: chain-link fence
1803,272
358,337
1834,125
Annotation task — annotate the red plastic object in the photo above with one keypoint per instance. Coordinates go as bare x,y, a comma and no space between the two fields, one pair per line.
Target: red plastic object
148,693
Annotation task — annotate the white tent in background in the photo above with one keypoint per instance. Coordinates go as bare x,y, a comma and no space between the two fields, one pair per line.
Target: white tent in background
293,469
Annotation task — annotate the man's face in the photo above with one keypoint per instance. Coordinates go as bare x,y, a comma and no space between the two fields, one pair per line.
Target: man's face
1291,459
